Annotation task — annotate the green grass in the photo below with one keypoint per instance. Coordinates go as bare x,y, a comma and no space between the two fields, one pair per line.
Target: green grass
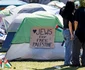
40,65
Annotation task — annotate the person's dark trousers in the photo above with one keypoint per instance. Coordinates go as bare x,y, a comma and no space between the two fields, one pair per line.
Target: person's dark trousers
83,55
76,52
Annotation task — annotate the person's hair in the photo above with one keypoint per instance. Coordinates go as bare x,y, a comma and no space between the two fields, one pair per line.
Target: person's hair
69,9
82,3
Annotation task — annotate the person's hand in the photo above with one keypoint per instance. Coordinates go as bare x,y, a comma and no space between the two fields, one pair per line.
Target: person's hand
72,36
74,32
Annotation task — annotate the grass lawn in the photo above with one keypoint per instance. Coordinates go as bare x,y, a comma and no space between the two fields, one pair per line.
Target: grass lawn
40,65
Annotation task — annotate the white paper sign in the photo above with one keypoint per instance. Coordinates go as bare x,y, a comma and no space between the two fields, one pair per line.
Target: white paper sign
42,37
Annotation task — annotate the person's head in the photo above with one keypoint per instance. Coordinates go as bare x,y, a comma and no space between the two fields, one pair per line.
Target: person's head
82,3
68,9
70,6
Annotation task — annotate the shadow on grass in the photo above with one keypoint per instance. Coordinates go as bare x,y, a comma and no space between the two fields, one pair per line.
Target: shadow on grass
60,67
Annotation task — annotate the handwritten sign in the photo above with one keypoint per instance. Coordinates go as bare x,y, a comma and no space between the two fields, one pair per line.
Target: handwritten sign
42,37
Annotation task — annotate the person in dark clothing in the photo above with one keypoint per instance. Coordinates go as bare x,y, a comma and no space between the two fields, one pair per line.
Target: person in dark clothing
67,15
79,38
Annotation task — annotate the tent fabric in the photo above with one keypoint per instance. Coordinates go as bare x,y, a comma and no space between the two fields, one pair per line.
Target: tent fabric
36,20
16,22
56,4
19,43
5,3
6,11
23,51
40,16
24,7
11,12
29,8
38,1
7,42
4,14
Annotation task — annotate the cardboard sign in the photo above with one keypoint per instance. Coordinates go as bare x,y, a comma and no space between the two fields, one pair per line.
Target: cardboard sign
42,37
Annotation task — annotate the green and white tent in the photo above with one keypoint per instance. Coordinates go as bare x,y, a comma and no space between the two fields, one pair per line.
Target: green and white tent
19,37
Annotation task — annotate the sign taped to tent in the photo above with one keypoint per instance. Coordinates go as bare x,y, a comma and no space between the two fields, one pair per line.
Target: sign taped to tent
42,37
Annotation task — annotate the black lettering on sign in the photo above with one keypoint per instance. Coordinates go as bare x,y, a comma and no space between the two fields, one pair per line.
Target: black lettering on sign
42,37
40,44
42,40
34,31
43,31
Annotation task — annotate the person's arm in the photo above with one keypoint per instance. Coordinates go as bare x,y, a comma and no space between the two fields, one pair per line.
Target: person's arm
71,30
75,25
76,20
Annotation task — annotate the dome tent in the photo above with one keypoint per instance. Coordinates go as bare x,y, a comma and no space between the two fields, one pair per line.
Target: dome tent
18,38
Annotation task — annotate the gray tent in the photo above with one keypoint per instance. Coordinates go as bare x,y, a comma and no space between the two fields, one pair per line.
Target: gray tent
37,1
23,50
